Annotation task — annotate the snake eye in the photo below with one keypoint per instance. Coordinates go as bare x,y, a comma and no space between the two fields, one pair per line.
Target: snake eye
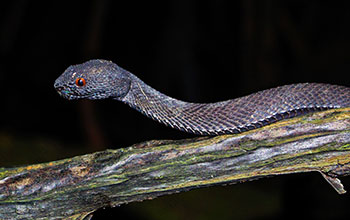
80,82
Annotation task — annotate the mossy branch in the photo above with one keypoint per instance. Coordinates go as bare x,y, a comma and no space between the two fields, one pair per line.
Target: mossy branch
73,188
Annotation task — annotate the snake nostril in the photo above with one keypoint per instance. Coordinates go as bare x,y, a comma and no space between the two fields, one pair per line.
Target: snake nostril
59,88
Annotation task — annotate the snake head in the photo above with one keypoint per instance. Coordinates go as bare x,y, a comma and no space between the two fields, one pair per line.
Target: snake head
94,79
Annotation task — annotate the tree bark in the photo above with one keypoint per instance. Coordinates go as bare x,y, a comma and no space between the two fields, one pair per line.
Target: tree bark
74,188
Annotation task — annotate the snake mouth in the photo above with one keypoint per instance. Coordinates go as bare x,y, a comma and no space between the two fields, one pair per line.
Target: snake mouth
70,95
65,93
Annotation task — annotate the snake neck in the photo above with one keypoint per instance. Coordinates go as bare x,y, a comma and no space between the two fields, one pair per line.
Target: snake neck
157,105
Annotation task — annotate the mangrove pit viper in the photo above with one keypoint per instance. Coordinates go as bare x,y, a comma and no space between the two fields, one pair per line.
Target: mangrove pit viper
101,79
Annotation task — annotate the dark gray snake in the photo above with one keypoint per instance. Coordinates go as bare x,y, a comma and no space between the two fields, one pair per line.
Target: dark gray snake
100,79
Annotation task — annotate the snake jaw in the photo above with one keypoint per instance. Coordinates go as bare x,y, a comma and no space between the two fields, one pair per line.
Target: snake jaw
66,94
71,95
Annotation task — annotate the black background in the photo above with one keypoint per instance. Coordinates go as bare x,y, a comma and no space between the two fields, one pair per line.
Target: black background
198,51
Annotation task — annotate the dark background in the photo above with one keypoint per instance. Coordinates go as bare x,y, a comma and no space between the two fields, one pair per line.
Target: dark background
199,51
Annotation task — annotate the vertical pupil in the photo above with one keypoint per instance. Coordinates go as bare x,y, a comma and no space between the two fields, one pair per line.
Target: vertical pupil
80,82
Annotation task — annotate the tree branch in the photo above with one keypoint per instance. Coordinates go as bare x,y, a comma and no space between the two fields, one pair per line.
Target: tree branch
75,187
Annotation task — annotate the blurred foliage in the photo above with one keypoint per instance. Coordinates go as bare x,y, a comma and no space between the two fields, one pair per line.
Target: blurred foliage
21,150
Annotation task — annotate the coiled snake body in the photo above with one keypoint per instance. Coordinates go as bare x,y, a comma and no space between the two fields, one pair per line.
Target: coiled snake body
100,79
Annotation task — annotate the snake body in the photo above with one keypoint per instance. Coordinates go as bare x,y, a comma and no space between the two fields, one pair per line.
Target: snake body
100,79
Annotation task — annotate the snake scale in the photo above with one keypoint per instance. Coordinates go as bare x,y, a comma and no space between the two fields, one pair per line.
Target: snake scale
100,79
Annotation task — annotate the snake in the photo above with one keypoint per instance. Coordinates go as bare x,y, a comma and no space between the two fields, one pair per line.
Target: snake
103,79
